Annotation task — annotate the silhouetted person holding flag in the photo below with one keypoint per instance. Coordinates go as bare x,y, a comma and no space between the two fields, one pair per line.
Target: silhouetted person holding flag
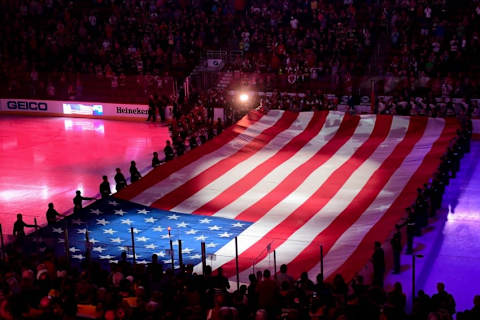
155,161
396,244
19,227
105,190
378,260
120,180
77,201
52,214
134,173
168,150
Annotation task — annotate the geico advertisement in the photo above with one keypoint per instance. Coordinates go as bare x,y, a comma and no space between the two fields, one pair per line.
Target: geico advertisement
25,105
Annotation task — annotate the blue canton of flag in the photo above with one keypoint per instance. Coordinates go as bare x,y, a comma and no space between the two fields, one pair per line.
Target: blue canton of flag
109,225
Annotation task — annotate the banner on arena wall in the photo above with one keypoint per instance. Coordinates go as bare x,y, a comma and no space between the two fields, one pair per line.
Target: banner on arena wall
75,109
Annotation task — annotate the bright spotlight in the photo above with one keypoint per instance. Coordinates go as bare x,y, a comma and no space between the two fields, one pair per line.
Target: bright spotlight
244,97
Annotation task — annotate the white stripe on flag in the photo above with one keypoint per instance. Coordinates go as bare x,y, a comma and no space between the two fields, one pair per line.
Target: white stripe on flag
347,243
301,238
240,170
284,208
176,179
276,176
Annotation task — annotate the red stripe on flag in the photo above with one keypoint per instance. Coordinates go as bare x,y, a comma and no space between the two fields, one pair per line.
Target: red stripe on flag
296,177
308,258
258,173
160,173
318,200
383,227
197,183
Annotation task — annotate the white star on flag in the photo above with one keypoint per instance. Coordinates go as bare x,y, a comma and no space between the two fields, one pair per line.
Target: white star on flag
173,217
136,256
215,227
109,231
195,256
191,231
127,221
123,248
187,250
238,225
161,254
143,211
150,220
142,261
205,220
169,261
113,203
92,240
78,256
106,257
119,212
61,240
57,230
201,238
96,211
116,240
158,229
135,230
103,222
77,222
165,236
182,225
83,231
151,246
113,261
73,249
143,239
225,235
98,249
211,245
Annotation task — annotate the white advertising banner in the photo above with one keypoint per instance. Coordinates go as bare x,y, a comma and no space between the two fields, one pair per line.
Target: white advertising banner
75,109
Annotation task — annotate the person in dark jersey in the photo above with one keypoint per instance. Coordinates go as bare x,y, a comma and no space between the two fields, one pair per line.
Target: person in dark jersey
78,201
105,190
120,180
52,214
19,227
155,161
168,150
134,173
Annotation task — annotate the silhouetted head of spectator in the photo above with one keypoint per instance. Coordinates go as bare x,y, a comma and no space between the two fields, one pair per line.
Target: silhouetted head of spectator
266,274
78,192
105,178
476,301
378,245
50,205
208,270
440,287
283,268
19,217
154,258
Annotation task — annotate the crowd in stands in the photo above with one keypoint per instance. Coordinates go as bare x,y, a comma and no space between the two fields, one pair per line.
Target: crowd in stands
45,286
305,38
401,104
47,44
434,46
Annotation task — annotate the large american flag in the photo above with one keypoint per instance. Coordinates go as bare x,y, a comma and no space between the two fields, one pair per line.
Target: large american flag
302,180
106,228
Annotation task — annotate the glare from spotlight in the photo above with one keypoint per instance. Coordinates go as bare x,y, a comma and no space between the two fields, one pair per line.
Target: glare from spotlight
244,97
